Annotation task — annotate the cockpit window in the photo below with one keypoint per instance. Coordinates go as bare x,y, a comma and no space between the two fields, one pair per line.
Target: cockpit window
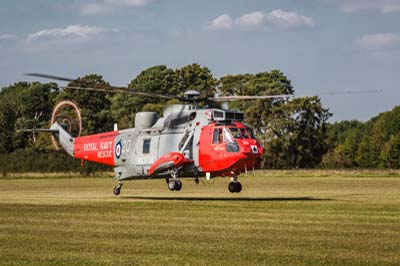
227,135
251,132
222,135
236,133
244,133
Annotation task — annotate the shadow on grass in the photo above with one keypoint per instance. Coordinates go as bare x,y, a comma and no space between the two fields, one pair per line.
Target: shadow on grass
227,199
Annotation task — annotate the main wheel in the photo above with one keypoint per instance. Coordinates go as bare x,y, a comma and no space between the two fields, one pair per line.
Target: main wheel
117,190
238,187
232,187
178,185
172,185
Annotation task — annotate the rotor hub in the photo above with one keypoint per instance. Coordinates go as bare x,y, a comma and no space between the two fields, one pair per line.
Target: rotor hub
192,95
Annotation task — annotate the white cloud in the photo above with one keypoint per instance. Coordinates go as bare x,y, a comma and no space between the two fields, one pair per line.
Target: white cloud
223,22
257,19
289,19
128,2
380,41
70,32
351,6
107,6
8,37
253,19
94,9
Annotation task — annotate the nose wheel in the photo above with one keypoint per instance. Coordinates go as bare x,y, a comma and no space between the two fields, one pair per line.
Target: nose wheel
234,187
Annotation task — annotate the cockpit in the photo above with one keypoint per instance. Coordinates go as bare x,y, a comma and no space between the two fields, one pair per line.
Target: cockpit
229,145
242,132
224,134
232,136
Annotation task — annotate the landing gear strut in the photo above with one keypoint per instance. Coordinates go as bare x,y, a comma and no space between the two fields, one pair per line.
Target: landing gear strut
174,184
117,189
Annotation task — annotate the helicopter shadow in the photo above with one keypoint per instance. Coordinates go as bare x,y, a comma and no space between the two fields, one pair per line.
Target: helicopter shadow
239,199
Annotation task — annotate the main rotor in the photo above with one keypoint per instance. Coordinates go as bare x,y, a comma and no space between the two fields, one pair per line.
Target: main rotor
190,96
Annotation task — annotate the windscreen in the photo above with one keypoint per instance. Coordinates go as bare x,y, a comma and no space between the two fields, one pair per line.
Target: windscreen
236,133
222,135
251,133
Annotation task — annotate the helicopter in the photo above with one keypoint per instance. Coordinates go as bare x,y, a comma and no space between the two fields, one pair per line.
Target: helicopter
186,142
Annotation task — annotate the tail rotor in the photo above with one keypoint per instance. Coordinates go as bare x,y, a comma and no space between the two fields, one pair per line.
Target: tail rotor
67,114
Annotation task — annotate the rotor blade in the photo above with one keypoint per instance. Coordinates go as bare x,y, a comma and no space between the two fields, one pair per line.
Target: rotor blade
251,97
39,130
125,90
104,88
46,76
351,92
248,97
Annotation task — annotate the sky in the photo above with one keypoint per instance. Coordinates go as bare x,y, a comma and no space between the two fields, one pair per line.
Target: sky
324,47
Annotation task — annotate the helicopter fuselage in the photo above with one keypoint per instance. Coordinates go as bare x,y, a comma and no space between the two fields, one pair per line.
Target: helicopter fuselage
186,142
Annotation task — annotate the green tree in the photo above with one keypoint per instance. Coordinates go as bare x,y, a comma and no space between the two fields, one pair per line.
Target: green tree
25,105
377,133
390,154
7,122
295,135
292,132
343,140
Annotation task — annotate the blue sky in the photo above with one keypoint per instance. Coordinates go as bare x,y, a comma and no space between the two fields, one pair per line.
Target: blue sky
322,46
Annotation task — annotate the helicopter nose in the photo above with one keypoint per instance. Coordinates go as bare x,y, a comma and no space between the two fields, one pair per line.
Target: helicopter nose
254,149
253,152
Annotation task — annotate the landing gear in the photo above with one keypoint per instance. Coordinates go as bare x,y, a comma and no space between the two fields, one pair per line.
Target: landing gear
175,185
234,187
117,189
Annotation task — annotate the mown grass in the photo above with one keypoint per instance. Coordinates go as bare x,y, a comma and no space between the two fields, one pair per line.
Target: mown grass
280,218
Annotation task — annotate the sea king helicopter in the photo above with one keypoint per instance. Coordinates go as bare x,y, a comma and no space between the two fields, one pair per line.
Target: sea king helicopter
186,142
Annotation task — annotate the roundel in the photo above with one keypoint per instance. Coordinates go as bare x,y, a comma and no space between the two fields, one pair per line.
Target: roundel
118,149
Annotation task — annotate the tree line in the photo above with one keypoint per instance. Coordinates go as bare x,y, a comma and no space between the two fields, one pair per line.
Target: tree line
295,132
373,144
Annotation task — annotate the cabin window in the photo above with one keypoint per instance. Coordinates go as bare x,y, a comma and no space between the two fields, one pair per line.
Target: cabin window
146,146
218,137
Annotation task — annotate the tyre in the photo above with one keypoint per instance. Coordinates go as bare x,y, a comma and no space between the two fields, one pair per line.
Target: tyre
232,187
117,190
238,187
172,185
178,185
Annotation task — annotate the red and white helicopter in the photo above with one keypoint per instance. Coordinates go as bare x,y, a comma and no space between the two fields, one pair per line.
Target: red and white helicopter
187,142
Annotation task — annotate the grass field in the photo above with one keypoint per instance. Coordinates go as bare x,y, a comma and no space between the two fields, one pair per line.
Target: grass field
280,218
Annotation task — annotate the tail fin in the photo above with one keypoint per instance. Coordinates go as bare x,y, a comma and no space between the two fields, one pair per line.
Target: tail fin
63,137
60,134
